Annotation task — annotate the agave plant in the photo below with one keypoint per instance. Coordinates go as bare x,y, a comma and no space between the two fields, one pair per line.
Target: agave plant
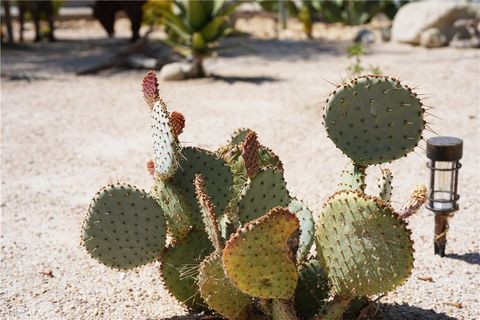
194,27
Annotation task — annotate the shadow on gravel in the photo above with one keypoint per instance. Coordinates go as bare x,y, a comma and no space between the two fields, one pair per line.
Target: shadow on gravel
469,257
286,49
386,311
254,80
407,312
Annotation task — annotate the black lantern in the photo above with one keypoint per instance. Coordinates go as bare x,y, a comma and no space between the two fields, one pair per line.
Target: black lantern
444,154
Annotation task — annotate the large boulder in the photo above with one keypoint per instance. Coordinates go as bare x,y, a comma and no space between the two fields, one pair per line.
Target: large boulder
414,18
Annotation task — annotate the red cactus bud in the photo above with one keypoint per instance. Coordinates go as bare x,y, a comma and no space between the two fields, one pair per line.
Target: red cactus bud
150,89
151,167
250,147
177,123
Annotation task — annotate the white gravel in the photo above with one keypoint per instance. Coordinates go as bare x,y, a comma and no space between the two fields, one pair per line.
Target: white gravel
64,136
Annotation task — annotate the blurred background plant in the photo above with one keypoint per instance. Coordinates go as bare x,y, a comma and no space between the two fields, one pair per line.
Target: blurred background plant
355,12
193,27
355,52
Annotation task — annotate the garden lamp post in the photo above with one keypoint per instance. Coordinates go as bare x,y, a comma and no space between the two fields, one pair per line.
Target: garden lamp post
444,154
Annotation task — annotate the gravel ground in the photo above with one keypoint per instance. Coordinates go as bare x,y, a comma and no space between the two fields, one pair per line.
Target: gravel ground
64,136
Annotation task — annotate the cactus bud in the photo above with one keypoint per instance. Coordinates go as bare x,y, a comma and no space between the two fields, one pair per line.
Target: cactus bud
177,123
250,147
150,89
151,167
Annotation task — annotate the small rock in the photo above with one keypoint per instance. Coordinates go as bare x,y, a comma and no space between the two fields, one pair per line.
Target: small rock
365,37
171,72
433,38
141,61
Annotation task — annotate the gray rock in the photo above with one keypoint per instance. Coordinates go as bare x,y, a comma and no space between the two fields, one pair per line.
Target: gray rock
365,37
414,18
433,38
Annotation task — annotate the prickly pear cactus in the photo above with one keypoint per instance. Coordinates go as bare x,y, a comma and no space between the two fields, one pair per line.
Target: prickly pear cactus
239,243
374,119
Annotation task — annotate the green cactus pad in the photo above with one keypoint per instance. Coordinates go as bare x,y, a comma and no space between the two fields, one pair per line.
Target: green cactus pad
219,292
165,145
374,119
175,206
180,268
239,135
312,291
267,190
307,228
260,257
353,177
385,185
125,227
216,174
365,248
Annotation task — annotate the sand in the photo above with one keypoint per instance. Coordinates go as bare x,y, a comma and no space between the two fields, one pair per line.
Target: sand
63,137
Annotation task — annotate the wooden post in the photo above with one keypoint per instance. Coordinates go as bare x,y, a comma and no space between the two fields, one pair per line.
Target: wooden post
441,229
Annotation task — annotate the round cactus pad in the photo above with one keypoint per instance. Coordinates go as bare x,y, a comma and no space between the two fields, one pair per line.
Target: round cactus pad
124,228
219,292
374,119
267,190
365,248
165,145
216,175
180,268
259,259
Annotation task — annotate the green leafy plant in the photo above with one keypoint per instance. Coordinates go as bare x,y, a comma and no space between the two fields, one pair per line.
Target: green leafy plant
194,27
239,243
355,52
353,12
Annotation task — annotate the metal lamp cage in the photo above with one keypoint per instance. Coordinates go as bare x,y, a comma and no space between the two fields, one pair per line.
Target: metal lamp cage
444,154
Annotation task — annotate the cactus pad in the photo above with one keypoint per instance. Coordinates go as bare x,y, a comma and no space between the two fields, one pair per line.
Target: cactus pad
307,228
385,185
312,291
217,176
180,268
260,257
124,228
165,145
175,207
267,190
353,177
365,248
219,292
374,119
